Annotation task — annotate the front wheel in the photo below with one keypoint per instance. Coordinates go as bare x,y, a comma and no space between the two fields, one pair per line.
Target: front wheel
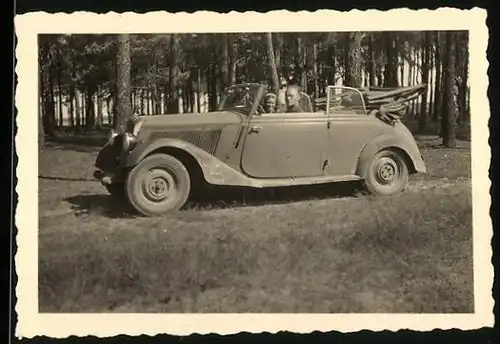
387,173
157,185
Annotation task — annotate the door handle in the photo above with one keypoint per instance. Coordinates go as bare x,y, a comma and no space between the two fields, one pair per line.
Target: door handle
255,129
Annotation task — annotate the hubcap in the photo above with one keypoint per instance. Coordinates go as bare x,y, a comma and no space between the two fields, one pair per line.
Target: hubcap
387,170
158,185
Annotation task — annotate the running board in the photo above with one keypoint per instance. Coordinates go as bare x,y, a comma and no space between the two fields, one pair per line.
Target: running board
279,182
259,183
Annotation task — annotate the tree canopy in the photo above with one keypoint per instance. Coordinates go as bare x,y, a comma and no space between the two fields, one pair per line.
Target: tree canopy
171,73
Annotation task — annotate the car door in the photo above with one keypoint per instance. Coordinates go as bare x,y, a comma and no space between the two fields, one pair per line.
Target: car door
351,128
283,145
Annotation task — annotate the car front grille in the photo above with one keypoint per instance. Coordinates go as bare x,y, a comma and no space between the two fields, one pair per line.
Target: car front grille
206,140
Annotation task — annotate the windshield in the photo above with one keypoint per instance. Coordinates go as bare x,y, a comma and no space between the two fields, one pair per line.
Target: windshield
240,98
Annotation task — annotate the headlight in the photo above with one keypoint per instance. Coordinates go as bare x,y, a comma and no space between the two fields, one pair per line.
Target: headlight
111,135
133,125
129,142
137,126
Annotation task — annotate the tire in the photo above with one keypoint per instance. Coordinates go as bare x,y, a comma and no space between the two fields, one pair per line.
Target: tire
159,184
117,190
387,173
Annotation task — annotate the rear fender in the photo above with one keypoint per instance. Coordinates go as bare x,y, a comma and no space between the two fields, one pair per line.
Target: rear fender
214,170
407,147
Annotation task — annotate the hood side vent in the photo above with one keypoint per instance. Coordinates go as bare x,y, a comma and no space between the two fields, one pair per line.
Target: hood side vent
206,140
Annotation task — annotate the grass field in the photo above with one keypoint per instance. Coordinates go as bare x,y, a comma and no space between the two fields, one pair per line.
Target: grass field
317,250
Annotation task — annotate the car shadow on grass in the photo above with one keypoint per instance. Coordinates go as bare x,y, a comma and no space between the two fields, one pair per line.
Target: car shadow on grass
66,179
218,197
99,204
64,146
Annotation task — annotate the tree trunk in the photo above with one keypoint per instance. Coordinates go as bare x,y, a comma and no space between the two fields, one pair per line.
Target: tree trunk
59,87
141,100
225,65
124,108
115,101
71,108
353,76
190,93
100,118
277,52
157,99
77,111
380,76
133,99
449,139
166,92
391,69
395,62
185,99
425,80
303,70
90,113
272,62
315,70
232,59
402,73
468,103
212,98
389,59
72,91
173,104
84,110
302,58
443,109
198,89
431,77
50,112
148,101
333,68
41,132
410,69
415,102
437,89
464,54
109,112
415,66
442,98
156,92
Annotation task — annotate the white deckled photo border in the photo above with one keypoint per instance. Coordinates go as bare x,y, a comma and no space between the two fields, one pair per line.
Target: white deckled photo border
27,26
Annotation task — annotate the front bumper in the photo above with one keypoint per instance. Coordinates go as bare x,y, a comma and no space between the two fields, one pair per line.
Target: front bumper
104,178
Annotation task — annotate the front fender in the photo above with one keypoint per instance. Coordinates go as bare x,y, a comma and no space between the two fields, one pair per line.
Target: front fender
402,142
214,170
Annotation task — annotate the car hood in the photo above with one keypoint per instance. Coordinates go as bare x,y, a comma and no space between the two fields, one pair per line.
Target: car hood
209,118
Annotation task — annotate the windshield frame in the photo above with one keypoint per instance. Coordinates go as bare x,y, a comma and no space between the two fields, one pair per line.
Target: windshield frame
329,96
256,101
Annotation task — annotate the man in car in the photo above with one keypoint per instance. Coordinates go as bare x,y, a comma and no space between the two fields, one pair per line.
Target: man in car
292,99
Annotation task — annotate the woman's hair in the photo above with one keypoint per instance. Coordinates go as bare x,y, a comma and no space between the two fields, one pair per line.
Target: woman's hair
270,95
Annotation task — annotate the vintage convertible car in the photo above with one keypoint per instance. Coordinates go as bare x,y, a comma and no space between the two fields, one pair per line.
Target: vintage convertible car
160,159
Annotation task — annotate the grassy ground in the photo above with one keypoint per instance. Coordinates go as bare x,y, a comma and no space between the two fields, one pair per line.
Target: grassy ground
321,250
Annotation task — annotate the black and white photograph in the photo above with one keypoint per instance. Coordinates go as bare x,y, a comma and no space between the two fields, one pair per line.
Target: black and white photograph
205,172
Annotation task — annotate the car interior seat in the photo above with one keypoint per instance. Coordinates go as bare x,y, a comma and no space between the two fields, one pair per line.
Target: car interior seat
305,102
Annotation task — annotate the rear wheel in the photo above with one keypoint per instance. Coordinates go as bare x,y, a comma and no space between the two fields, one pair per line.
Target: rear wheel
387,173
157,185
